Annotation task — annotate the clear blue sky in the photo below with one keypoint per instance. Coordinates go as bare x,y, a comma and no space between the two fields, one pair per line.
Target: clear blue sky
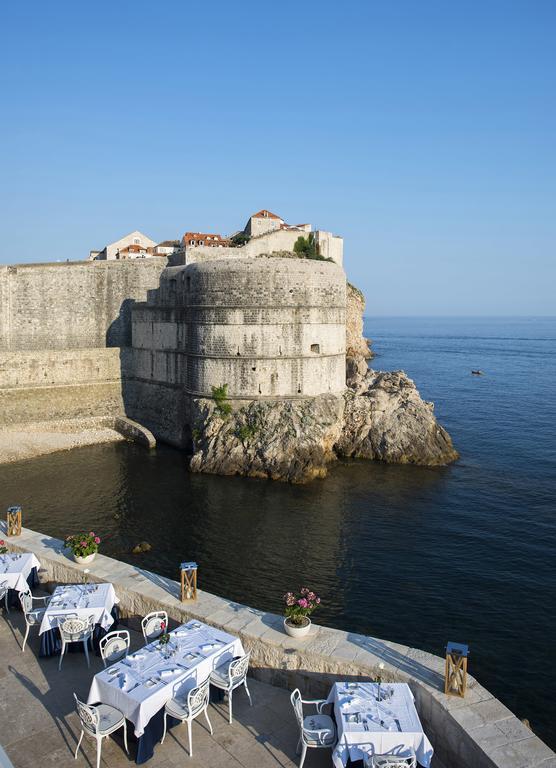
423,132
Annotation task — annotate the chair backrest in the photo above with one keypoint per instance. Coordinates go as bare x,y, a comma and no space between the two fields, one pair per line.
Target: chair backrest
198,697
114,646
392,761
26,600
238,668
87,714
297,705
73,630
152,623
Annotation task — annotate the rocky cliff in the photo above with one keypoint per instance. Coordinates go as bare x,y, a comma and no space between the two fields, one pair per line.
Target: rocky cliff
380,416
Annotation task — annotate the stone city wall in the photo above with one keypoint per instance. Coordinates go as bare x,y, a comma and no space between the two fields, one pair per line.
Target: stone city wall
63,332
477,731
72,305
37,386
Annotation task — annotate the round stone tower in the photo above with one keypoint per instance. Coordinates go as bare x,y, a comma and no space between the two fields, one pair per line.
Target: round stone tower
267,327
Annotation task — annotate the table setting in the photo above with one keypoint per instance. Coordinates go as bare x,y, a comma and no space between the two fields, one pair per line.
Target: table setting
78,601
374,718
141,684
19,570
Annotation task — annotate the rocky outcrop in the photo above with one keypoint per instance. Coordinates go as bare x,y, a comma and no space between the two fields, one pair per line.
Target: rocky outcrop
356,343
296,440
385,418
282,440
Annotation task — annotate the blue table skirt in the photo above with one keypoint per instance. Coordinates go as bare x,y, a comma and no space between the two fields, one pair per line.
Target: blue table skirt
51,643
13,594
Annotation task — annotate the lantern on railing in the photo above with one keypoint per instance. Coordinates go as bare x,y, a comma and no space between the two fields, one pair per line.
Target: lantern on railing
188,581
13,522
455,682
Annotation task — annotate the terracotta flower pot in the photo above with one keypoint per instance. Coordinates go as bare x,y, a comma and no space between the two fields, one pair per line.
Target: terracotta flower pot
297,630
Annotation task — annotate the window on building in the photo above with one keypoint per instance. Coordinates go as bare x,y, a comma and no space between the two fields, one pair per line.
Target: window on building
315,348
201,242
137,241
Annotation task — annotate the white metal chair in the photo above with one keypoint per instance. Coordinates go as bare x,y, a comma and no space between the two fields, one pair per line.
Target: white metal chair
114,646
99,720
152,623
315,730
4,594
229,676
391,761
33,616
76,631
187,708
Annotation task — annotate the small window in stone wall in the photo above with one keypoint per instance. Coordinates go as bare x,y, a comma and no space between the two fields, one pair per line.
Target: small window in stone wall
315,348
188,283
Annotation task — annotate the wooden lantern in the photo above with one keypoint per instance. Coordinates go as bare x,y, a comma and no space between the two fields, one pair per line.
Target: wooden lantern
188,581
455,682
13,527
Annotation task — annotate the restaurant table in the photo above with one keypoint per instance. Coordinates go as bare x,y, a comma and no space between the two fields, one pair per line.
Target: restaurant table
367,726
141,684
81,601
19,571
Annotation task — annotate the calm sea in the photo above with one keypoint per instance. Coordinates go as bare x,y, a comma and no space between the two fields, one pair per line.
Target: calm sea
420,556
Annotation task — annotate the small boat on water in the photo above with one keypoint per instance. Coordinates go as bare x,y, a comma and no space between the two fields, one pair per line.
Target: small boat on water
477,373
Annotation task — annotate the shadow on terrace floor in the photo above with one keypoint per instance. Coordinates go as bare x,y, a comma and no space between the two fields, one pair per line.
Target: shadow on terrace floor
38,724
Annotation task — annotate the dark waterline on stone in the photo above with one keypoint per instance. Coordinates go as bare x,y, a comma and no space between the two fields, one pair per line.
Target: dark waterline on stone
419,556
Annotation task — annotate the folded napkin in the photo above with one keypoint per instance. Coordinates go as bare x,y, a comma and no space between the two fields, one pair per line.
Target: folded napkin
168,672
210,646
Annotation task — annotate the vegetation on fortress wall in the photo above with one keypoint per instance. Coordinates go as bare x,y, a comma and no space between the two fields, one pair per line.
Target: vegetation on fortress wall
306,248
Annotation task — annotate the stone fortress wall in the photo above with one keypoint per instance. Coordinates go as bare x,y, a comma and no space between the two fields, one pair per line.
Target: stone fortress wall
79,340
330,246
64,329
266,327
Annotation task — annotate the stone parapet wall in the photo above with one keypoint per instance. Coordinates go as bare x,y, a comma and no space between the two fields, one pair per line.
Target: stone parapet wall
475,732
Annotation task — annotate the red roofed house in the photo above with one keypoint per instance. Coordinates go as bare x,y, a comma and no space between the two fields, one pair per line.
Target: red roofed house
192,239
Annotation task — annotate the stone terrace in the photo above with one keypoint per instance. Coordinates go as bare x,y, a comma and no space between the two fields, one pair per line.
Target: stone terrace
39,726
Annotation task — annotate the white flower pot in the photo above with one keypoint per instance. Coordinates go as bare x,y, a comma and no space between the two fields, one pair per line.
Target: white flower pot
296,631
84,560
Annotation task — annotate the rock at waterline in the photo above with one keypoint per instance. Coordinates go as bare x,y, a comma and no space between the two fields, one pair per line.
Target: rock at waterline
138,549
385,419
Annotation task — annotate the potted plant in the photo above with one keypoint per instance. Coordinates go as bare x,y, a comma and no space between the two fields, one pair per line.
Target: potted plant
84,546
298,609
3,547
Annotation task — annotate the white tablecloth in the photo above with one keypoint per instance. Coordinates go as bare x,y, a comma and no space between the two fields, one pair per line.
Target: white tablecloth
15,569
141,685
81,600
367,726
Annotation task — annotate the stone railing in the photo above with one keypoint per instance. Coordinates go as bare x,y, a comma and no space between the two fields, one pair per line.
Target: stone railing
475,732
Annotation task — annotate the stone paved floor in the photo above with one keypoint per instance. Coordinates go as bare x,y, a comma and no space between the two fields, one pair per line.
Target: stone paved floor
39,727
